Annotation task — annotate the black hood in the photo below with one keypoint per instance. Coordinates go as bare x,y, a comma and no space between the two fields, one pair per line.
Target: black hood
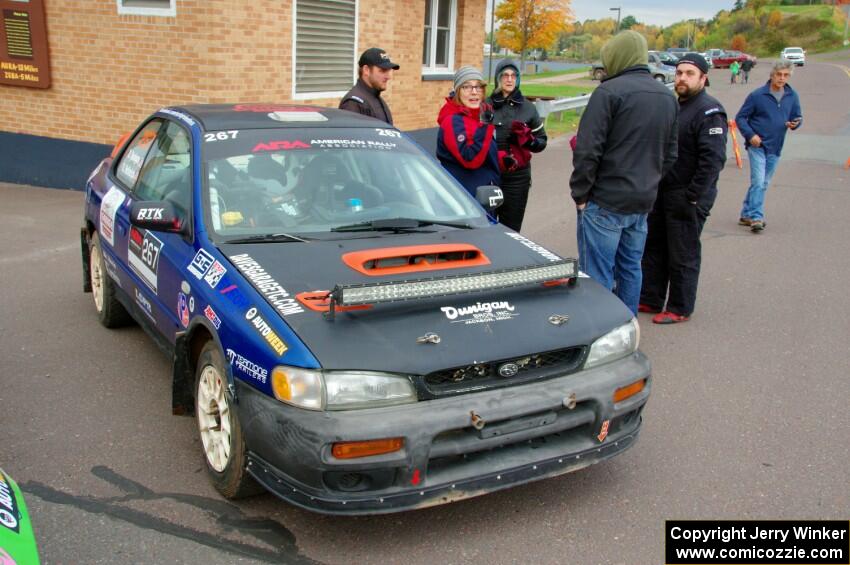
384,337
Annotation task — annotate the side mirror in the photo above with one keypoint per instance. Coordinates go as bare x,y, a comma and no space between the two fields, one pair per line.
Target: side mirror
156,216
490,197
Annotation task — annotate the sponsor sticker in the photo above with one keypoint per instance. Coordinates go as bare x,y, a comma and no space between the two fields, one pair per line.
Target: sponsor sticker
214,274
112,200
143,250
268,287
201,262
212,316
183,310
480,312
715,131
192,304
233,293
178,115
539,249
144,304
247,367
265,331
111,268
150,214
603,432
712,111
280,145
352,143
8,506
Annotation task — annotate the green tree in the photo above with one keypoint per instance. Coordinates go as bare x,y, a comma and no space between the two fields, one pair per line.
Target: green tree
628,22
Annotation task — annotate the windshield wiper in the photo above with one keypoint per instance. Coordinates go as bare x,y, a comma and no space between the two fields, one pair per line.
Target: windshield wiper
268,238
398,225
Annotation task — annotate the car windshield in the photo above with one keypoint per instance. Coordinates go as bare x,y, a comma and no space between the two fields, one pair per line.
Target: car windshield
793,50
307,181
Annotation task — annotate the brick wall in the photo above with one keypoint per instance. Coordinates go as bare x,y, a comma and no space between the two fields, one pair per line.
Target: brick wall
110,71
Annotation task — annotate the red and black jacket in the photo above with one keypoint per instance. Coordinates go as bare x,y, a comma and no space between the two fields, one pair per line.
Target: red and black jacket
467,147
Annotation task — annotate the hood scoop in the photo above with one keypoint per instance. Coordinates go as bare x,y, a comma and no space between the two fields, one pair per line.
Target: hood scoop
415,259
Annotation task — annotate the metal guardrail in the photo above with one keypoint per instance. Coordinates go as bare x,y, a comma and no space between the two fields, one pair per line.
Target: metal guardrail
546,107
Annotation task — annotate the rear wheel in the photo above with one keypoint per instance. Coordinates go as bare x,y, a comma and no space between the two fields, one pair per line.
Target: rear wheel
225,454
110,311
659,78
598,74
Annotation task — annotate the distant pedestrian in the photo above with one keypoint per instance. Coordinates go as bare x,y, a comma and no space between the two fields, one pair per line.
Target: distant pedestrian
767,114
626,143
519,133
671,261
746,67
374,70
466,142
734,68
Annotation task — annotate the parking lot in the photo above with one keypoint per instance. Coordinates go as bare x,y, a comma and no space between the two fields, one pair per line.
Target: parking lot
748,417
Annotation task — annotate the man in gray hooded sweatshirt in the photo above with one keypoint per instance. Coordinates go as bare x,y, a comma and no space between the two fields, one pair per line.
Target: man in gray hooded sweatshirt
627,140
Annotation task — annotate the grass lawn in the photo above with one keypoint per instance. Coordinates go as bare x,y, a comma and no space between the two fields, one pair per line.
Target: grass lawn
576,71
562,123
816,10
555,90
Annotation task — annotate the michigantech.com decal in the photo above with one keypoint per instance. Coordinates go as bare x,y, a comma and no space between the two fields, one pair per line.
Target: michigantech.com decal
757,542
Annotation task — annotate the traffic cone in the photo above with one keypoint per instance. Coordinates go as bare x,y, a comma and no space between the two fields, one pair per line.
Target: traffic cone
738,161
847,164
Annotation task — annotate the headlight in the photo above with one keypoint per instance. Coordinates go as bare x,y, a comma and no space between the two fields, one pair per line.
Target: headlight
339,390
614,345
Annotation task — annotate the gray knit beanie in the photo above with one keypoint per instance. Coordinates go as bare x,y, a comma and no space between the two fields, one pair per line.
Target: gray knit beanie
467,73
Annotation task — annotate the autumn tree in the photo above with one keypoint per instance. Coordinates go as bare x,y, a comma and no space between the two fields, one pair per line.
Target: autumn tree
774,19
531,24
739,43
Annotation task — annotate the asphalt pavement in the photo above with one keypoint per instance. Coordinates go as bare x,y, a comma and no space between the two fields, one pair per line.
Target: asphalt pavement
748,418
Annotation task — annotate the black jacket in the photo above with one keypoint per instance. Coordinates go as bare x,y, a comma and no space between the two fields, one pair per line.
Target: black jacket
366,100
626,142
702,149
511,108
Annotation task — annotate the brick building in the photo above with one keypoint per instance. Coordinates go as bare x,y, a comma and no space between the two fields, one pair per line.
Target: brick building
113,62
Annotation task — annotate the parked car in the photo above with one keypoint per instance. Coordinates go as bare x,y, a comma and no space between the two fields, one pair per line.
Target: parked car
794,55
350,327
677,51
661,73
725,58
661,59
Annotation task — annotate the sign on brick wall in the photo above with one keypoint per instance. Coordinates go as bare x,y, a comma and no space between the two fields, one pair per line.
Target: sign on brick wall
24,57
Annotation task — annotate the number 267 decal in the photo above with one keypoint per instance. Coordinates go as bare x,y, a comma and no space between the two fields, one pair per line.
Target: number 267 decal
221,135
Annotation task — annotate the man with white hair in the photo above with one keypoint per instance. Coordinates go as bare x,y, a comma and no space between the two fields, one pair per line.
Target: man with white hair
767,114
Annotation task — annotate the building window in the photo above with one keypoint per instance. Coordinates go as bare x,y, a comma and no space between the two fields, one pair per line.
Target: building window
147,7
324,43
438,46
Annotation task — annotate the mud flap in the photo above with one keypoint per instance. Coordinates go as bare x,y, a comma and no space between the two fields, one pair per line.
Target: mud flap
182,400
84,243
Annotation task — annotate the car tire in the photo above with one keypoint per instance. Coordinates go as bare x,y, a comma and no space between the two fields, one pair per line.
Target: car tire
110,311
659,78
598,74
222,441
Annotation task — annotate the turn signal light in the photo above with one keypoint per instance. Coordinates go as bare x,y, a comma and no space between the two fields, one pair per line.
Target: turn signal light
354,449
628,391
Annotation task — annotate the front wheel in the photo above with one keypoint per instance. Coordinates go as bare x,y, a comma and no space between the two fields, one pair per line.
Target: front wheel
221,433
110,311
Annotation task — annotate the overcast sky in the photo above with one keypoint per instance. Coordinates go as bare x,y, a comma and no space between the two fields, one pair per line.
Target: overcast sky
655,12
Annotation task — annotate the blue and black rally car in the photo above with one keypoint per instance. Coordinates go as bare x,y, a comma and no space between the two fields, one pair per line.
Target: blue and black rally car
349,326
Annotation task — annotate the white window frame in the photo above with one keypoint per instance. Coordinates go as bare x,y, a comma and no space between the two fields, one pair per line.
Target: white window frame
355,69
433,69
171,11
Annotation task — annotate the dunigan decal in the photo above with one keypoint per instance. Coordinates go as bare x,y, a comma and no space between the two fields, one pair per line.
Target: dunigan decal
143,251
247,367
214,274
212,316
265,331
8,506
545,253
268,287
112,200
480,312
183,310
200,264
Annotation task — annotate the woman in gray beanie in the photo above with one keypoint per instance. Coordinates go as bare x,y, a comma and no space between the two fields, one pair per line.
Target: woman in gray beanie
466,144
519,133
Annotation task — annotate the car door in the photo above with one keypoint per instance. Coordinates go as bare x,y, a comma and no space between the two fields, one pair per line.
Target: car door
156,258
114,221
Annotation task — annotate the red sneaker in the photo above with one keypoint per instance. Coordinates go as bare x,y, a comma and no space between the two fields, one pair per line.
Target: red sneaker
669,318
647,309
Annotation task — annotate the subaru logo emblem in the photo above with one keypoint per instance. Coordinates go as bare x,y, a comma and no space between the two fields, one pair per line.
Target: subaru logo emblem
508,370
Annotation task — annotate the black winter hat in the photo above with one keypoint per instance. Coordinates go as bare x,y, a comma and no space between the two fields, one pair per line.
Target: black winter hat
696,60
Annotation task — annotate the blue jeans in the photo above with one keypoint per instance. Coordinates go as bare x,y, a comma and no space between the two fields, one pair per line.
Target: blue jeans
610,247
762,167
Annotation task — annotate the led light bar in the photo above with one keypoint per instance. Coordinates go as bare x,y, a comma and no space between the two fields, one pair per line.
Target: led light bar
356,294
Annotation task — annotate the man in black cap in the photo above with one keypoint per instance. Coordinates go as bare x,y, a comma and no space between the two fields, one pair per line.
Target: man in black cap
671,259
375,71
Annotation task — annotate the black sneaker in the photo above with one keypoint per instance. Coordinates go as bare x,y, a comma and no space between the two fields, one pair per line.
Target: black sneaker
757,226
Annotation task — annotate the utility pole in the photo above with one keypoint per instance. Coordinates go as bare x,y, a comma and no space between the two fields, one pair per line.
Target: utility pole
616,29
492,38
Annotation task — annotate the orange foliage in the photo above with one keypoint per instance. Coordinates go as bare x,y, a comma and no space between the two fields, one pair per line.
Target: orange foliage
531,24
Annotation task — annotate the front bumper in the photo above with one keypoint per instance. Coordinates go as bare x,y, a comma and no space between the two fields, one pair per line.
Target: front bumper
532,432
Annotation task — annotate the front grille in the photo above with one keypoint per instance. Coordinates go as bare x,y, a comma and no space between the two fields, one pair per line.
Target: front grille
514,371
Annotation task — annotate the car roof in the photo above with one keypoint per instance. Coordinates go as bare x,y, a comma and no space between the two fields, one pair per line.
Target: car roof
215,117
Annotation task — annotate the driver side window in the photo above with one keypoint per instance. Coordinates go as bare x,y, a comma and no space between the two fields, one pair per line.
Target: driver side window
167,171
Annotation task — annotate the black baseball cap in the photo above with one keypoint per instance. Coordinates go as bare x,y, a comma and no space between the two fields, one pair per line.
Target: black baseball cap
696,60
376,57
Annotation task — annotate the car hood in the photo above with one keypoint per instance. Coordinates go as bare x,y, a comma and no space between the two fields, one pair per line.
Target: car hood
472,328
